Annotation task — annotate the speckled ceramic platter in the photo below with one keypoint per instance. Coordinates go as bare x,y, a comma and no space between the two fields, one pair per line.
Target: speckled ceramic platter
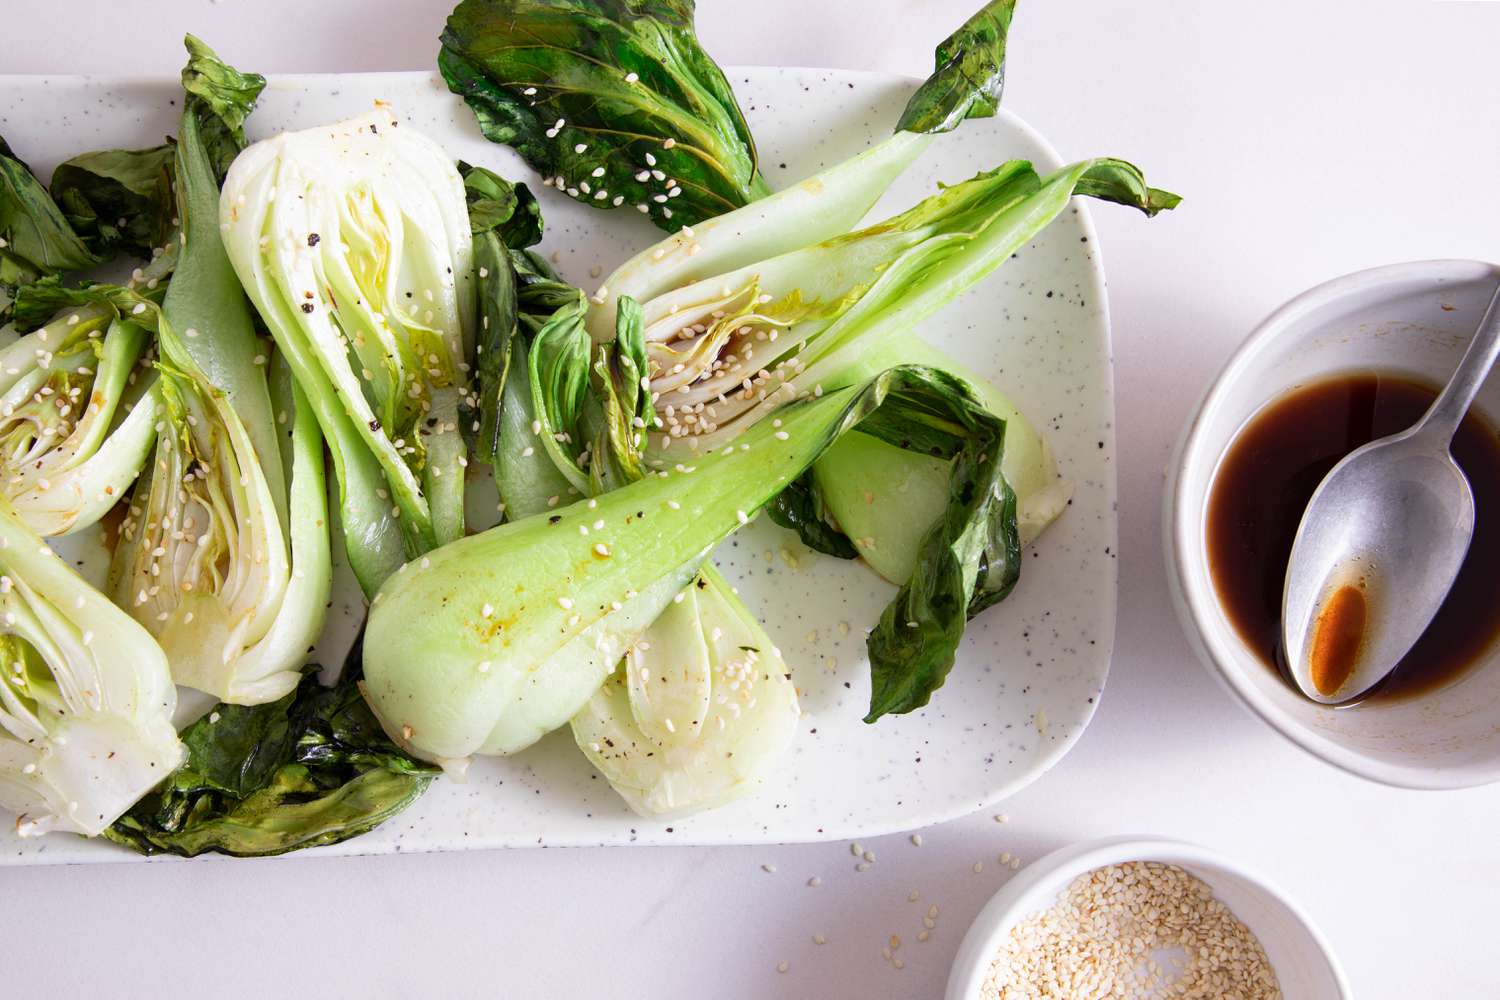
1030,670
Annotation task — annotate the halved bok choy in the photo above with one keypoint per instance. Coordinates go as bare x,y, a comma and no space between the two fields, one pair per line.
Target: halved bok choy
455,640
74,432
561,419
86,699
224,554
353,242
699,712
824,307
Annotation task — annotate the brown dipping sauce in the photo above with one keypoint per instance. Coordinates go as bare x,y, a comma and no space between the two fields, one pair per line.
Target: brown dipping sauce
1262,487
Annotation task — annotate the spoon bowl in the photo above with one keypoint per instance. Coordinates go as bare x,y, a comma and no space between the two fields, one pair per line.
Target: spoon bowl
1381,542
1393,523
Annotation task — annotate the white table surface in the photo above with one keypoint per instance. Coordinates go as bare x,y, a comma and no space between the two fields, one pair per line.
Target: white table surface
1309,138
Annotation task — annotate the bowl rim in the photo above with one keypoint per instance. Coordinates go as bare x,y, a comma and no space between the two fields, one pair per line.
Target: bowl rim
1195,606
1039,882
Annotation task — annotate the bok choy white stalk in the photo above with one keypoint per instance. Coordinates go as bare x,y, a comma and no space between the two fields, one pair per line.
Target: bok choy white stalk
454,643
353,242
86,700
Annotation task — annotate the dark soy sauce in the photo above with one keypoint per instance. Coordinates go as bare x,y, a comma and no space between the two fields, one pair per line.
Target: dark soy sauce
1270,472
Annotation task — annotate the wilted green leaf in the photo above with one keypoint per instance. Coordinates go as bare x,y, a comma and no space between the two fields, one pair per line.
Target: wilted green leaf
614,99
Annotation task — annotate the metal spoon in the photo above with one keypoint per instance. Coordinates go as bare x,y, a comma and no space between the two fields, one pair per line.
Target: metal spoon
1381,543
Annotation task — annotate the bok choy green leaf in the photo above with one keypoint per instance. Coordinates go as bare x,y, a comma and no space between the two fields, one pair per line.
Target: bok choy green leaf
35,237
118,201
969,76
309,769
613,101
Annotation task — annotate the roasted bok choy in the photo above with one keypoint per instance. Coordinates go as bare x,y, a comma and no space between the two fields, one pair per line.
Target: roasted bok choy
728,347
353,242
224,554
86,699
563,419
457,643
73,435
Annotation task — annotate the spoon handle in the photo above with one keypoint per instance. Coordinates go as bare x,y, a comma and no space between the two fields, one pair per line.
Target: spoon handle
1447,411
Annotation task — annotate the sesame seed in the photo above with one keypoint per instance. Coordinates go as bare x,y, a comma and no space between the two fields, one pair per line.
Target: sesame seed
580,147
1102,937
566,603
814,882
631,77
916,840
978,867
769,869
782,967
819,939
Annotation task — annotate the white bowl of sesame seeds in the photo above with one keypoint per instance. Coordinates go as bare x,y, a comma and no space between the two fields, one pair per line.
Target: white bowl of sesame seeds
1142,917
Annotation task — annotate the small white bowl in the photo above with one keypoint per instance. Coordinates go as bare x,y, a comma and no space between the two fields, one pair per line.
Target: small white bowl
1415,318
1305,967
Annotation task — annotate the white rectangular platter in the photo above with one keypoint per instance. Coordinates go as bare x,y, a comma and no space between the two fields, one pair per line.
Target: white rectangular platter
1030,670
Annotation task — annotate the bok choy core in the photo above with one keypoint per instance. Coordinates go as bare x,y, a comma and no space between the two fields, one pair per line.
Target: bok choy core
71,438
728,347
353,242
85,699
454,644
